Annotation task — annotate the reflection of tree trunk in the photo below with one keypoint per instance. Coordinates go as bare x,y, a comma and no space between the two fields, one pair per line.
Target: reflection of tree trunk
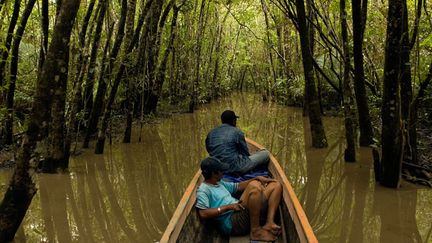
97,200
54,208
82,203
361,186
132,189
347,214
72,200
46,208
314,172
59,210
115,207
400,214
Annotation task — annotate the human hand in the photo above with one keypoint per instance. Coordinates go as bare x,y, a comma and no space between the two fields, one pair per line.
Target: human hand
264,180
236,206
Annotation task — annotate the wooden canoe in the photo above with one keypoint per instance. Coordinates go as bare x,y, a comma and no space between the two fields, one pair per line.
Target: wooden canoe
185,225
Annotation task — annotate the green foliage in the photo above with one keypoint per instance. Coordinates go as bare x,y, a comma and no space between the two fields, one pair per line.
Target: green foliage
243,55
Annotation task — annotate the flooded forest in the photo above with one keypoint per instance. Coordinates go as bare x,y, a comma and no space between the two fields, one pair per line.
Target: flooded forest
105,106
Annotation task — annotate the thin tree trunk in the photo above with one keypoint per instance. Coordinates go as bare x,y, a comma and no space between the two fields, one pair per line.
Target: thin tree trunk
130,21
14,72
162,67
76,100
269,44
409,116
7,46
81,61
45,28
22,189
392,137
106,73
216,84
107,113
359,21
406,87
350,155
319,139
195,85
91,72
156,24
414,114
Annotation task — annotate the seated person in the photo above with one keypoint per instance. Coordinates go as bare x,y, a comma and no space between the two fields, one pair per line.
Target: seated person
261,197
228,144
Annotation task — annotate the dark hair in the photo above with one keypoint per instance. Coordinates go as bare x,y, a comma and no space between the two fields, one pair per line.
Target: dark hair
207,174
228,117
210,165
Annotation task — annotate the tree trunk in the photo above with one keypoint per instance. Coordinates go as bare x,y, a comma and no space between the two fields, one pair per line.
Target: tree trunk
392,137
80,67
7,46
107,113
359,21
45,29
156,24
409,116
130,21
162,67
81,61
76,98
319,139
414,115
22,189
91,72
195,85
350,153
14,72
269,44
106,75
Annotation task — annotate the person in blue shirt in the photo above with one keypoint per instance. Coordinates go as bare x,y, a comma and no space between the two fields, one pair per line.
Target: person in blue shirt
228,144
259,201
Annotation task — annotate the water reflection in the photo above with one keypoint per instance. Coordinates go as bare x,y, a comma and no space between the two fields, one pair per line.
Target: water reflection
129,193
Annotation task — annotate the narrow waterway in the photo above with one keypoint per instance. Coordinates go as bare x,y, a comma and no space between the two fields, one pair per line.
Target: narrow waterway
129,193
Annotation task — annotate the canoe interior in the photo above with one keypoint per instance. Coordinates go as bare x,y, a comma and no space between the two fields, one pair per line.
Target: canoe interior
185,225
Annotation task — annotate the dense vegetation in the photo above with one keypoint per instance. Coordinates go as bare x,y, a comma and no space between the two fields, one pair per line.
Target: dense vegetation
67,68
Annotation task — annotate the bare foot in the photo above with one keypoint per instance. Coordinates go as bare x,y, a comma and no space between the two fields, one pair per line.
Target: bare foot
273,228
262,235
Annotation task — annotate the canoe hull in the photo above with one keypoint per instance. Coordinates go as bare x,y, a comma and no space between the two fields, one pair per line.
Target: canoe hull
185,225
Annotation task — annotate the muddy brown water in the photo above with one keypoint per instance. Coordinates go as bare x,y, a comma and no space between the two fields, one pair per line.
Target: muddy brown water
129,193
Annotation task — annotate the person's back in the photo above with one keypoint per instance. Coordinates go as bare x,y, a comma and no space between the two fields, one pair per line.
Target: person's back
228,144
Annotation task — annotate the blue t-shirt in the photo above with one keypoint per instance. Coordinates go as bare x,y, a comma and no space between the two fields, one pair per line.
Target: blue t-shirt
214,196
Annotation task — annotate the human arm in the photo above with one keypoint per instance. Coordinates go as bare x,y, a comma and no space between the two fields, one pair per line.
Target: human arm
209,213
207,144
242,145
